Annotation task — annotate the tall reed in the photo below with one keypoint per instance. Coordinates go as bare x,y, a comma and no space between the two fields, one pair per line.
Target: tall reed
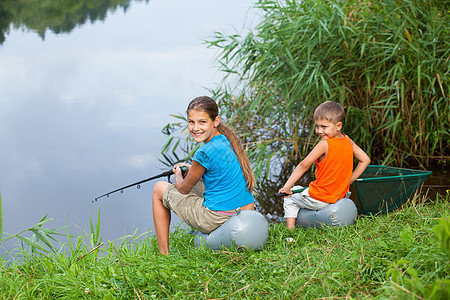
385,61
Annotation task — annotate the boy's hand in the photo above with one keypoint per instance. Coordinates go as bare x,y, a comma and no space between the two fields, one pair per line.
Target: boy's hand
285,191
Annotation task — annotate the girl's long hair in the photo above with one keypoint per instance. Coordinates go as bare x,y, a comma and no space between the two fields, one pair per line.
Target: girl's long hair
208,105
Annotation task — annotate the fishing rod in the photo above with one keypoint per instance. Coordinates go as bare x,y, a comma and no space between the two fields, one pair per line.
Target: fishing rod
138,184
293,191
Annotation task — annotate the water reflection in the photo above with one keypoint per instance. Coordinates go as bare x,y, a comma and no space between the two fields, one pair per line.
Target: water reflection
81,113
55,16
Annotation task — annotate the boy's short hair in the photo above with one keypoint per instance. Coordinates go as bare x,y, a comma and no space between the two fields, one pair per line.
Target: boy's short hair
330,111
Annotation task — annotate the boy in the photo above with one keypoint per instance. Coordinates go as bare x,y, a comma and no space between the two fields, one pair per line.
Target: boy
333,157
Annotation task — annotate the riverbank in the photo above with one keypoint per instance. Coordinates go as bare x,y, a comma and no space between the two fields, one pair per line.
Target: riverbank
387,256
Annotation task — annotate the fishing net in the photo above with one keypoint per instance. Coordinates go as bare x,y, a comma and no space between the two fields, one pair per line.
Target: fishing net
381,189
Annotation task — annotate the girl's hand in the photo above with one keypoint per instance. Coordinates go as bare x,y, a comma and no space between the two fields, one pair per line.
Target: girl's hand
185,182
177,169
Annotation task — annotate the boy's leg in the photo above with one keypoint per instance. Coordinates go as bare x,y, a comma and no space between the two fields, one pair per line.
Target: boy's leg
290,223
304,200
291,209
161,217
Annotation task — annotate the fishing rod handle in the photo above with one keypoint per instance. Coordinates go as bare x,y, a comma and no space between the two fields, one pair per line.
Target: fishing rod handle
183,169
293,191
281,195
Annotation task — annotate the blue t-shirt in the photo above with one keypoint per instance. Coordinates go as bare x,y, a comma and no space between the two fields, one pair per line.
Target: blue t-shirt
225,185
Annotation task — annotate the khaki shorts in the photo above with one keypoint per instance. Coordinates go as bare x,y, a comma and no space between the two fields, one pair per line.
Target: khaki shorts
190,209
293,204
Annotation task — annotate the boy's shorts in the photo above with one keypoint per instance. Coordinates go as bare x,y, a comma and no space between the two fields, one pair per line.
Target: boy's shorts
293,204
190,209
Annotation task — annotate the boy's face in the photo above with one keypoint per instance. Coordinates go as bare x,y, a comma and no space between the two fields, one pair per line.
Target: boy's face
327,130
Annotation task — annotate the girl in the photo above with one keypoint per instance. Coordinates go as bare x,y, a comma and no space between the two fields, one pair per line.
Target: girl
219,180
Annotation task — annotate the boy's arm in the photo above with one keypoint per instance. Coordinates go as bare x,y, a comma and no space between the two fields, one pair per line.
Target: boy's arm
364,161
303,166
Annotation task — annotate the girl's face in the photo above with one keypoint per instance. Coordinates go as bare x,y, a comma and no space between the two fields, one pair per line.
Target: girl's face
327,130
202,128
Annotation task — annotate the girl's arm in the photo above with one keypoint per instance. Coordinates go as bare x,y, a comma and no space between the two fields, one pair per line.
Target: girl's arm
192,176
364,161
320,149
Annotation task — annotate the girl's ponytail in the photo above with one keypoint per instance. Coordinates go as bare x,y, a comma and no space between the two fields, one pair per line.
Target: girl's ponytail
242,158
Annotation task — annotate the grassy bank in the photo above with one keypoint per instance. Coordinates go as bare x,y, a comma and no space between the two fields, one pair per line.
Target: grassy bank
403,255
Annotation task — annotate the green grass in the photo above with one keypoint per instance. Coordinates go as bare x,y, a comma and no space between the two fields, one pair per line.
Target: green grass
403,254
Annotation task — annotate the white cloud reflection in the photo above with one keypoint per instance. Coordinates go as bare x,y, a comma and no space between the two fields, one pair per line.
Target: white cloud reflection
140,160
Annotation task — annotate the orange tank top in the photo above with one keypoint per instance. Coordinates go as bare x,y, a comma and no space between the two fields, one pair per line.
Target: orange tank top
333,173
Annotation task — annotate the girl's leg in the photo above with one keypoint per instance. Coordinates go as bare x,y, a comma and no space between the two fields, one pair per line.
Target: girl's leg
250,206
161,217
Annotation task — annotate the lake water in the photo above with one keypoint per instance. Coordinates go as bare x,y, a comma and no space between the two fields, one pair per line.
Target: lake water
81,112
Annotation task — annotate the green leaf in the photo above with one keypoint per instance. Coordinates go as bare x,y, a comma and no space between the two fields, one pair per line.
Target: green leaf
95,232
407,237
109,296
31,244
43,238
442,231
